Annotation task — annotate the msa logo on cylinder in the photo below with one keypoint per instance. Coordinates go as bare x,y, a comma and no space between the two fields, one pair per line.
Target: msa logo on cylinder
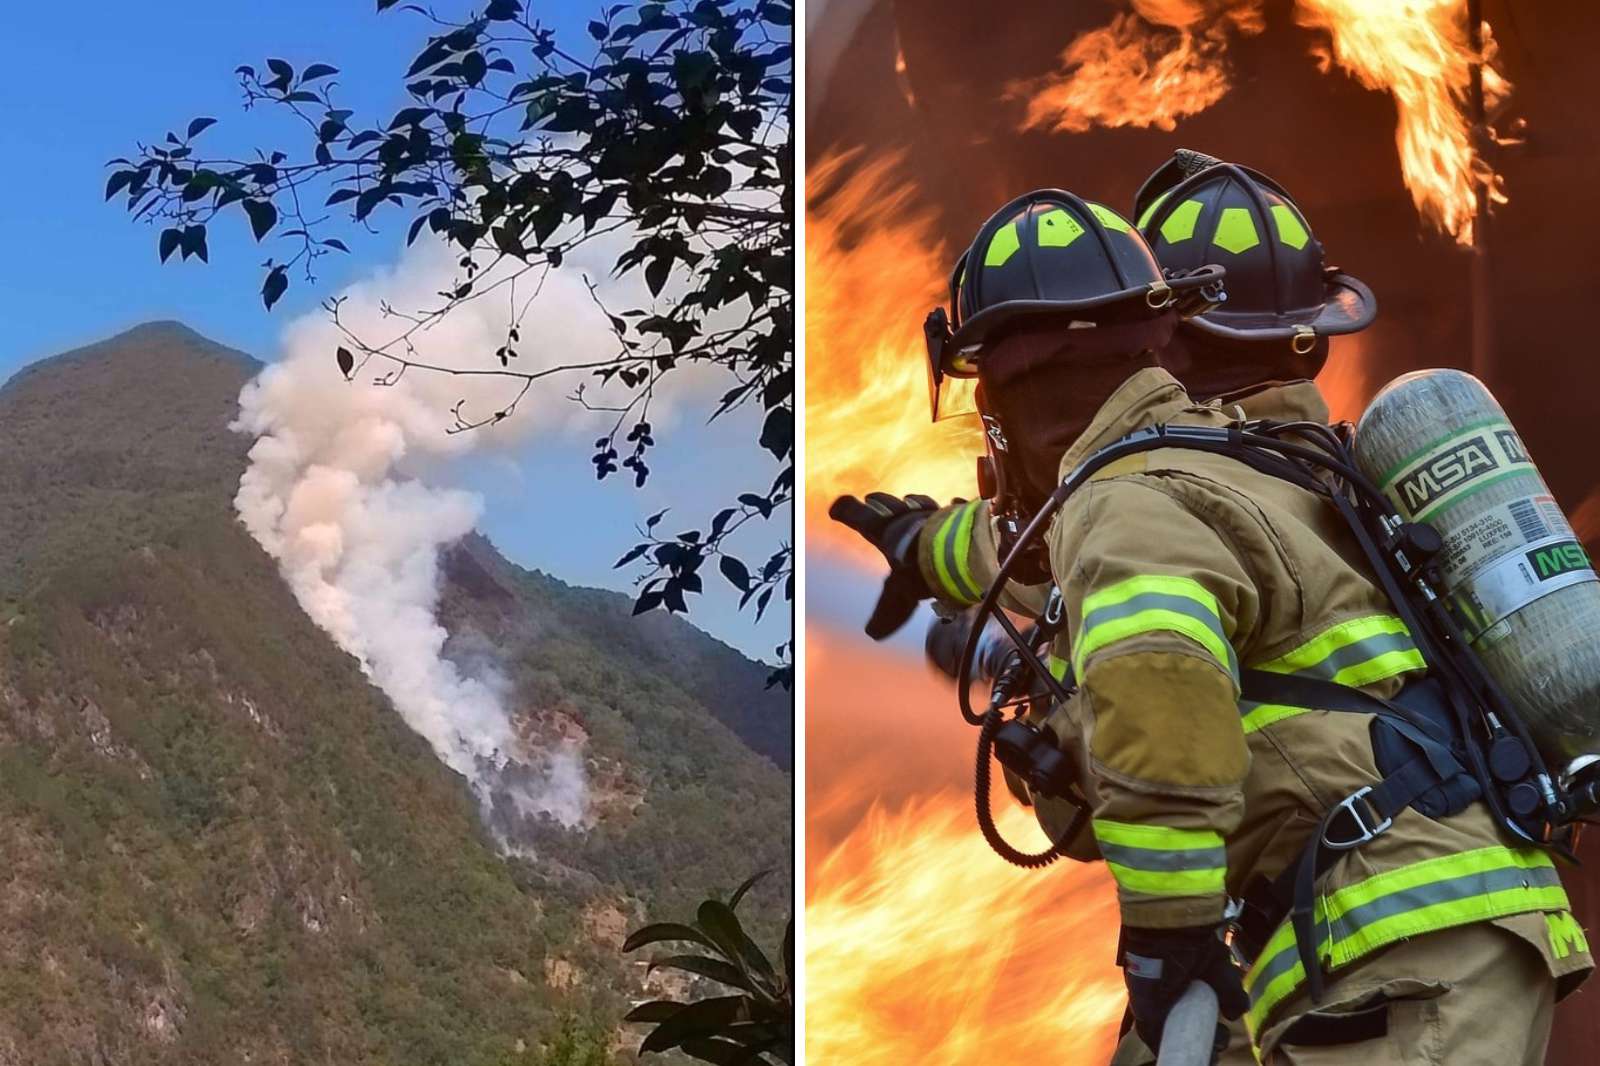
1460,464
1553,560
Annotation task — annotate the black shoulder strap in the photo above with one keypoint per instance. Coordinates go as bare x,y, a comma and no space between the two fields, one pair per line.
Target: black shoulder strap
1345,825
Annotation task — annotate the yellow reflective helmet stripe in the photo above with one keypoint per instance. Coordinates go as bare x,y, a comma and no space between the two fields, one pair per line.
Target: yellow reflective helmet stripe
1144,219
1236,231
952,543
1109,218
1179,223
1003,246
1291,230
1418,898
1151,603
1057,229
1155,860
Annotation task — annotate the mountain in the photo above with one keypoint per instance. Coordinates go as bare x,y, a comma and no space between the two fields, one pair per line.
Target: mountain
222,844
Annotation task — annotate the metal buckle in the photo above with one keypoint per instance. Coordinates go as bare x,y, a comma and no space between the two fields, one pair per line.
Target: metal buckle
1304,339
1158,296
1367,832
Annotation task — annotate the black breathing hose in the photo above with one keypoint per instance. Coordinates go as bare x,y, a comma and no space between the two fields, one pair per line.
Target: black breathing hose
992,721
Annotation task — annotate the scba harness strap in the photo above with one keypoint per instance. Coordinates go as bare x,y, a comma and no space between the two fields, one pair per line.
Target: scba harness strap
1433,780
1442,736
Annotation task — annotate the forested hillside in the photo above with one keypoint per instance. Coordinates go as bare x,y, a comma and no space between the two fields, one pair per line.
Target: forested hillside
222,845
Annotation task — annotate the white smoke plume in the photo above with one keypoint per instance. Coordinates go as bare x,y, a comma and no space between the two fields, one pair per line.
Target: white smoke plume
349,488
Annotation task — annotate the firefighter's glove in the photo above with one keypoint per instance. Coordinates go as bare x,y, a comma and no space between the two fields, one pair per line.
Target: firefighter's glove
891,525
1159,964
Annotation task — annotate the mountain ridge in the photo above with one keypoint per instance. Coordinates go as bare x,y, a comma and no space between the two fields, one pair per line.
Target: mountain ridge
226,844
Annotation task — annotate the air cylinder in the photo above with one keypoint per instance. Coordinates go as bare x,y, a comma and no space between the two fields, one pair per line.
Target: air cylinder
1517,578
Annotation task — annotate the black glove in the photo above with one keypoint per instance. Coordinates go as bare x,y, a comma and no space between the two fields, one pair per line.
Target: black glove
891,525
1159,964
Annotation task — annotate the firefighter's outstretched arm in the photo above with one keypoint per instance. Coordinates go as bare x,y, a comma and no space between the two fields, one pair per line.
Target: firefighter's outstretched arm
959,558
890,524
947,554
1156,604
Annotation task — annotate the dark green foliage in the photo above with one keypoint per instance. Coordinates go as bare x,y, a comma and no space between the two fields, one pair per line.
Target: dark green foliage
672,128
223,845
754,1024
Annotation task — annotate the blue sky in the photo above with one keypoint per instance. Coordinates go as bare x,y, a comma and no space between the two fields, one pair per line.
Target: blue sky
77,270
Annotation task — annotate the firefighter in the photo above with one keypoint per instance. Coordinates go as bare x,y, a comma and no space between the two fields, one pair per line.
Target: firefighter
1432,937
1262,349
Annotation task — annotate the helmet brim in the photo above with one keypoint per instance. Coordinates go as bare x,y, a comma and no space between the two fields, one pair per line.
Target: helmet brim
1143,301
1348,307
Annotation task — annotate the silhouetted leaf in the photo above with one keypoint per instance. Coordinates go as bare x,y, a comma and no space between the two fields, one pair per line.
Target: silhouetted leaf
716,969
655,275
263,216
317,70
657,1010
702,1018
199,126
170,240
347,361
749,882
194,243
722,925
788,951
736,573
777,433
274,287
664,931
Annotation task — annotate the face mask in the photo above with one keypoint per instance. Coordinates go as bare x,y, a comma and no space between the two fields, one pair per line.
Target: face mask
1044,386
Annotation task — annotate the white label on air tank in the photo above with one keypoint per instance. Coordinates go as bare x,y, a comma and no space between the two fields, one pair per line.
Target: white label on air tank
1515,580
1500,529
1453,468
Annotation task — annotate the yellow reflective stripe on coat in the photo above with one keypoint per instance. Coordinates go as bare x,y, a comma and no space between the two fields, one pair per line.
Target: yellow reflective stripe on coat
1359,652
1154,860
952,543
1058,666
1355,653
1422,897
1151,603
1566,935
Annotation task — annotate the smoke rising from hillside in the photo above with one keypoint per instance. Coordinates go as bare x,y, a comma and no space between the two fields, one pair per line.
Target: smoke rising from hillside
351,488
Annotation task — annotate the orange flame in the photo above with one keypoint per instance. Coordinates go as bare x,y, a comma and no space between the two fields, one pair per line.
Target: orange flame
1348,382
921,944
1418,51
874,266
1126,74
1167,60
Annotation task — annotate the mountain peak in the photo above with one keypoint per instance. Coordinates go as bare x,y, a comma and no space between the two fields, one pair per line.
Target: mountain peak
164,344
